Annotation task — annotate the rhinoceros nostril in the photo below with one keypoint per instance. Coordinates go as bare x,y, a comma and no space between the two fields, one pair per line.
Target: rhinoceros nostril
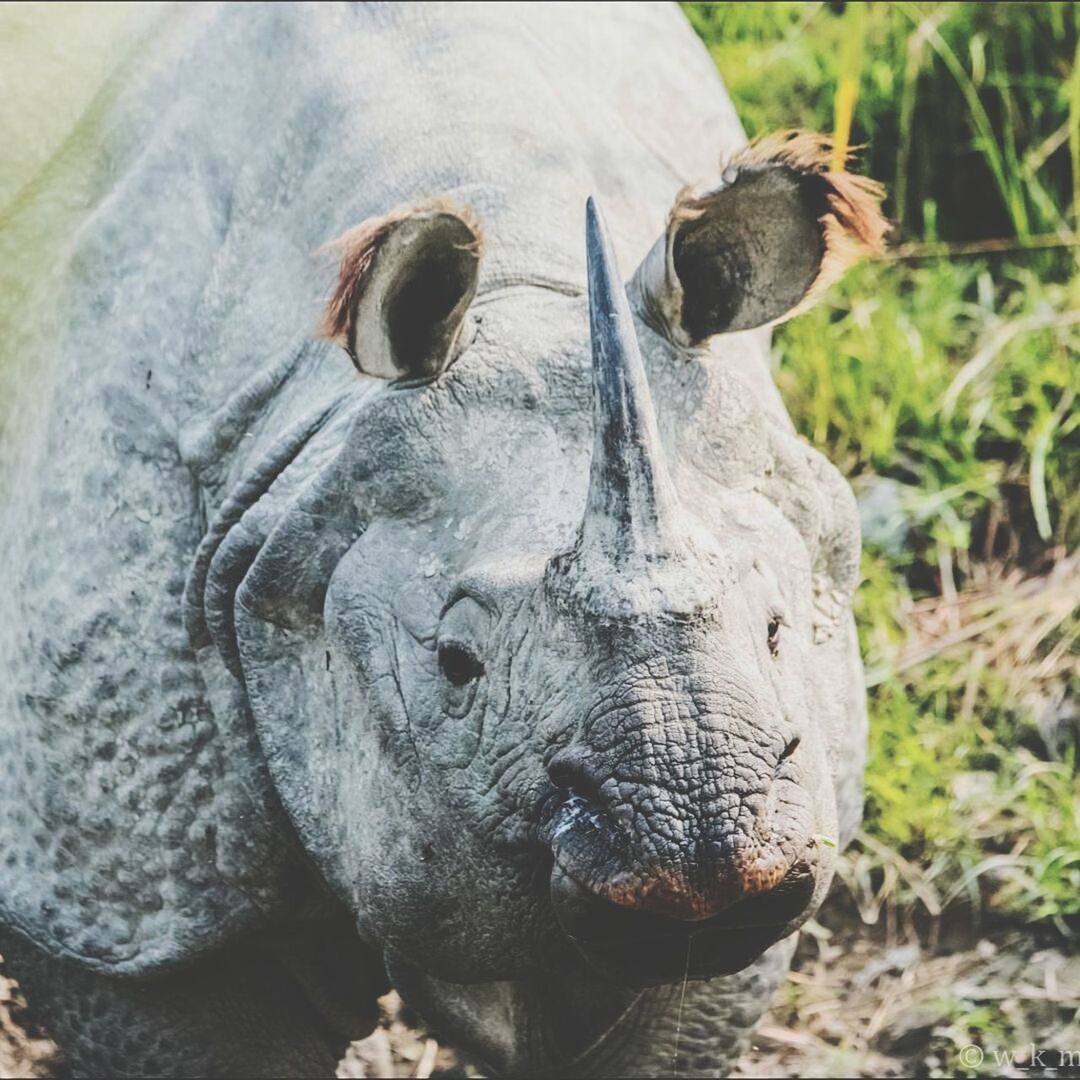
580,817
569,772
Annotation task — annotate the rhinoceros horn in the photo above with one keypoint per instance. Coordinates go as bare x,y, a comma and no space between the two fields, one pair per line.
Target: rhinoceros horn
631,513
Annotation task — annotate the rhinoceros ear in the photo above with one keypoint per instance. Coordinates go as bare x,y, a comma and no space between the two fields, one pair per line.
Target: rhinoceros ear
762,245
404,286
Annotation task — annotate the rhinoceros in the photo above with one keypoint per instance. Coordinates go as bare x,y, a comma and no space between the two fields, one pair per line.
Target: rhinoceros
422,607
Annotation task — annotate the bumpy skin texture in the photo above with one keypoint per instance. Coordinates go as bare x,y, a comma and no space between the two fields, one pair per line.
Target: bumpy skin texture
241,1012
157,808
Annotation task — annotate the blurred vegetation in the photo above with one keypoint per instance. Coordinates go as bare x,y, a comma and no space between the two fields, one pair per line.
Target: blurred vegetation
54,57
942,380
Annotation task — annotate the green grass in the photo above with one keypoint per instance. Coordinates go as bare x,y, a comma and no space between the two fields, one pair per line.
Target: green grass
953,378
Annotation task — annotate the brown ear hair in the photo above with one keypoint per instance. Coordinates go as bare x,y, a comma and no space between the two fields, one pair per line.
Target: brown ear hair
405,281
761,246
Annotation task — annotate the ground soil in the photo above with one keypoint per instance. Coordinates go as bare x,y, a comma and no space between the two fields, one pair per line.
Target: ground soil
862,1001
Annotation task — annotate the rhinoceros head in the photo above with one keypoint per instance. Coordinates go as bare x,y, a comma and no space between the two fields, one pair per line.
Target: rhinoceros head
553,665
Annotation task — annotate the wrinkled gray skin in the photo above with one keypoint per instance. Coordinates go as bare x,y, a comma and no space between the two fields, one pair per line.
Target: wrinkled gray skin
216,835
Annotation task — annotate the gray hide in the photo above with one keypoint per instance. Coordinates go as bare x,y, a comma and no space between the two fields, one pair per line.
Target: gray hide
180,778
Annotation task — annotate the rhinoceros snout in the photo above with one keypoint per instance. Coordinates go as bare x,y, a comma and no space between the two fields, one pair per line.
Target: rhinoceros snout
648,866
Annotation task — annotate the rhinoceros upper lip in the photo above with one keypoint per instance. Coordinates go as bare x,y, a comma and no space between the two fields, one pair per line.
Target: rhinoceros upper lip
771,909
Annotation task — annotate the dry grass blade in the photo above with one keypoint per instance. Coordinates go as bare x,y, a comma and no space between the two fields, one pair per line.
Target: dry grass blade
992,347
944,249
426,1063
20,1055
1039,450
1014,615
1074,132
847,87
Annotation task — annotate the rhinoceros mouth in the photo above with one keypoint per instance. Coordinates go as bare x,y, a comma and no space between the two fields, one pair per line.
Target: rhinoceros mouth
641,948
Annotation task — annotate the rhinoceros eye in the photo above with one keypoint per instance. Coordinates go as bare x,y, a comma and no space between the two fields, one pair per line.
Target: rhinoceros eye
774,634
459,665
